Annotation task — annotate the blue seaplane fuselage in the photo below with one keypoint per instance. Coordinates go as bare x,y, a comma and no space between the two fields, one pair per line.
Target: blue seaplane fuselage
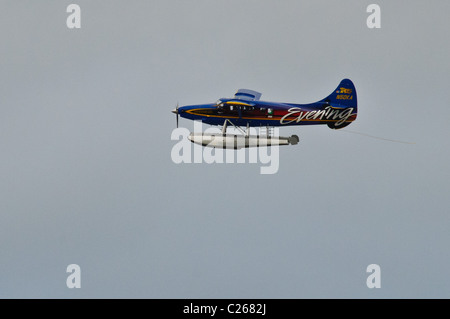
337,110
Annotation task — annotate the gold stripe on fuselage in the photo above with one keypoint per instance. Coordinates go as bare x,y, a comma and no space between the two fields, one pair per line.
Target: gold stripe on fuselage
238,103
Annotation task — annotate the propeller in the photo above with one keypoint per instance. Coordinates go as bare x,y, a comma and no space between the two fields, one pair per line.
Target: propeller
176,112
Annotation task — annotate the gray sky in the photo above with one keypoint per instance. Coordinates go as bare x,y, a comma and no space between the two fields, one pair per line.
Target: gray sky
87,177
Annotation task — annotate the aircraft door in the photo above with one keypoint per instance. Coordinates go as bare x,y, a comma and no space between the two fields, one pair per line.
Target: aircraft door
240,112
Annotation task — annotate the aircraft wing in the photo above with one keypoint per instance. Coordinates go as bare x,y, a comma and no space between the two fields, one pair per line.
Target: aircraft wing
247,95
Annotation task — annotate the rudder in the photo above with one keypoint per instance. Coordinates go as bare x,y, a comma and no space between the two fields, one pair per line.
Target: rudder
343,97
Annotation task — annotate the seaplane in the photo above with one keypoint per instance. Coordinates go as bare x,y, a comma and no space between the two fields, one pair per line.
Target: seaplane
247,110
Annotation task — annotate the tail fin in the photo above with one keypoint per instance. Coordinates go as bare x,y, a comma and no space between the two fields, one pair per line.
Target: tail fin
343,97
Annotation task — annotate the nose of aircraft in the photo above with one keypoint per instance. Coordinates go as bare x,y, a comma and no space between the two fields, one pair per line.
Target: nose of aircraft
178,110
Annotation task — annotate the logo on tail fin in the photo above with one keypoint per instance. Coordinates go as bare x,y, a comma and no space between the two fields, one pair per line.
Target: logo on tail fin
344,91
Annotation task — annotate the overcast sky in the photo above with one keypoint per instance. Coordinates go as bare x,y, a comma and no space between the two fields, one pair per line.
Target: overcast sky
86,175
